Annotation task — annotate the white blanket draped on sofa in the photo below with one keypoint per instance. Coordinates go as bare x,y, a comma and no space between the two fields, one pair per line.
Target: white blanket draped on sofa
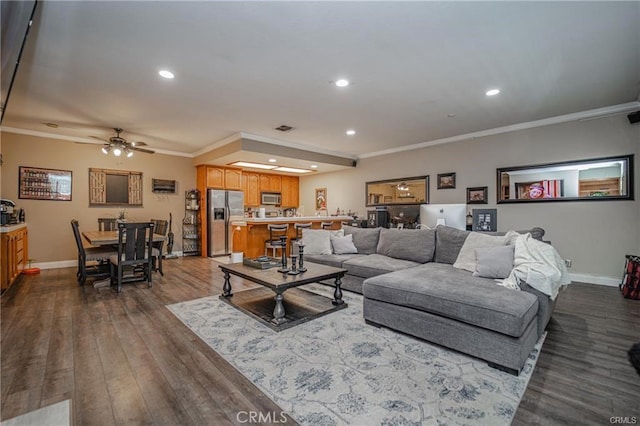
539,265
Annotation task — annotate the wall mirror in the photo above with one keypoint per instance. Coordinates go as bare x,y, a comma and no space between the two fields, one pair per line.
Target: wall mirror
596,179
115,188
411,190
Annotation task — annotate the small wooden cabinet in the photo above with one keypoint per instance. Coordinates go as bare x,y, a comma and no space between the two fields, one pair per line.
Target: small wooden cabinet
251,188
270,183
14,255
290,191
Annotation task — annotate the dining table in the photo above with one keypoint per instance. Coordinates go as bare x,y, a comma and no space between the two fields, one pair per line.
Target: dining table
109,238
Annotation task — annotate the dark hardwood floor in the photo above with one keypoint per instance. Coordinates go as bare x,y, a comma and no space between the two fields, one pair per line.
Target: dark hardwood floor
125,359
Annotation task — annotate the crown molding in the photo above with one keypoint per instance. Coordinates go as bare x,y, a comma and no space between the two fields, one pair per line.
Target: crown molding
577,116
81,140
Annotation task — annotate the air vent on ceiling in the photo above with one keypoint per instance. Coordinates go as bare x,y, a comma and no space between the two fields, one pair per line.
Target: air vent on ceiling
284,128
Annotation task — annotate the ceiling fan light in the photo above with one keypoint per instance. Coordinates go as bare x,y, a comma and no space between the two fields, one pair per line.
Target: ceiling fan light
129,154
106,149
117,152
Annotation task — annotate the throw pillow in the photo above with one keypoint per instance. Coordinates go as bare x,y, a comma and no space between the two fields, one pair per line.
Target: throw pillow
494,262
416,245
316,241
343,245
365,239
467,257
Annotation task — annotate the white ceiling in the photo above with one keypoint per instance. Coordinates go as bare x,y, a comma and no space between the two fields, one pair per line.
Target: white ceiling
251,66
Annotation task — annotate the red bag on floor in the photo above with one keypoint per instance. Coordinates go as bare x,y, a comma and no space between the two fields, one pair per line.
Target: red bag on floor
630,286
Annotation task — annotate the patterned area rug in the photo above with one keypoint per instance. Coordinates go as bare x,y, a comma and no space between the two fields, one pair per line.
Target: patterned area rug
337,370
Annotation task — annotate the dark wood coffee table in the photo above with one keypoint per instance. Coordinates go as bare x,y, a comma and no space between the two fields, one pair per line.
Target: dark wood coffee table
277,312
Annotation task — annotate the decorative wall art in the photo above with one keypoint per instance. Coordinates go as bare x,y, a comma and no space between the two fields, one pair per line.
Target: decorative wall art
477,195
485,220
446,180
44,184
321,199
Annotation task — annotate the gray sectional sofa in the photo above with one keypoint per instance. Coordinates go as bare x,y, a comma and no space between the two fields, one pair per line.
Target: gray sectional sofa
409,284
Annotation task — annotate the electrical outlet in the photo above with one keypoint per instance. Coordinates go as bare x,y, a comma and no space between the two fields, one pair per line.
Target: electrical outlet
567,263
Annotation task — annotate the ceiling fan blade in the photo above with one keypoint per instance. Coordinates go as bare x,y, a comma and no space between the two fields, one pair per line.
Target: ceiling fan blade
99,139
91,143
146,151
138,143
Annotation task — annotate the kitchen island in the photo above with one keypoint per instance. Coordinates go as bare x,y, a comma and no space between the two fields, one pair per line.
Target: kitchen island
253,232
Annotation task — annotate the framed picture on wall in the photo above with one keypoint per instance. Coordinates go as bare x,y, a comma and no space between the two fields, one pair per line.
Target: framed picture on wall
321,199
477,195
485,220
44,184
446,180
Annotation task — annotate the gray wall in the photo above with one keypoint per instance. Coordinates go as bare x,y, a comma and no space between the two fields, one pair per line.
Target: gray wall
594,235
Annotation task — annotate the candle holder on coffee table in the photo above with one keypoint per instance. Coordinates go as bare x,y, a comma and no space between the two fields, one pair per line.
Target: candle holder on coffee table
294,267
301,267
283,244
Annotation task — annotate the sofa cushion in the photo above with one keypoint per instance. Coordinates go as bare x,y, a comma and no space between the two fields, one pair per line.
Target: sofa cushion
343,245
334,260
443,290
416,245
365,239
375,264
494,262
449,241
467,256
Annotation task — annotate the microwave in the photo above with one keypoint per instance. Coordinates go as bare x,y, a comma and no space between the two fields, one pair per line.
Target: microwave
270,198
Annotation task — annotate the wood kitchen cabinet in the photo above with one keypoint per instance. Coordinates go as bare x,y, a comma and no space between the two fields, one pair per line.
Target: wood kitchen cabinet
290,191
219,178
270,183
251,189
14,254
233,179
215,177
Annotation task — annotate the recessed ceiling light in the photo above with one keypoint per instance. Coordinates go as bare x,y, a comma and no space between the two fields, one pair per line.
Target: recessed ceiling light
52,125
492,92
253,165
272,160
342,83
292,170
351,132
314,166
166,74
453,114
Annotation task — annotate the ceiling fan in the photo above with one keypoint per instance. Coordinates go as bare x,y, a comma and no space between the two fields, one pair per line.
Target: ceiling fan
119,145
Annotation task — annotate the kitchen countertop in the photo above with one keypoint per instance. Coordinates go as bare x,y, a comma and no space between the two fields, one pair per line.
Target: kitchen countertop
254,220
9,228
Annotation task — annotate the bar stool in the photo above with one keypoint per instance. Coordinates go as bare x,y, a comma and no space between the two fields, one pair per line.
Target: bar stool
275,232
326,225
298,227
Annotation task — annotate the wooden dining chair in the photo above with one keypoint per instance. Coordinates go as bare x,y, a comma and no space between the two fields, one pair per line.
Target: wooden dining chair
87,258
134,253
161,227
107,224
274,243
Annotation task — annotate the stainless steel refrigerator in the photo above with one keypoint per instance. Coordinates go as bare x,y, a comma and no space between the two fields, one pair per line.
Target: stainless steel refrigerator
223,207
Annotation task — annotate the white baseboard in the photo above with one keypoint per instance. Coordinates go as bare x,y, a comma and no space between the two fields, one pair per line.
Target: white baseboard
595,279
576,277
70,263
